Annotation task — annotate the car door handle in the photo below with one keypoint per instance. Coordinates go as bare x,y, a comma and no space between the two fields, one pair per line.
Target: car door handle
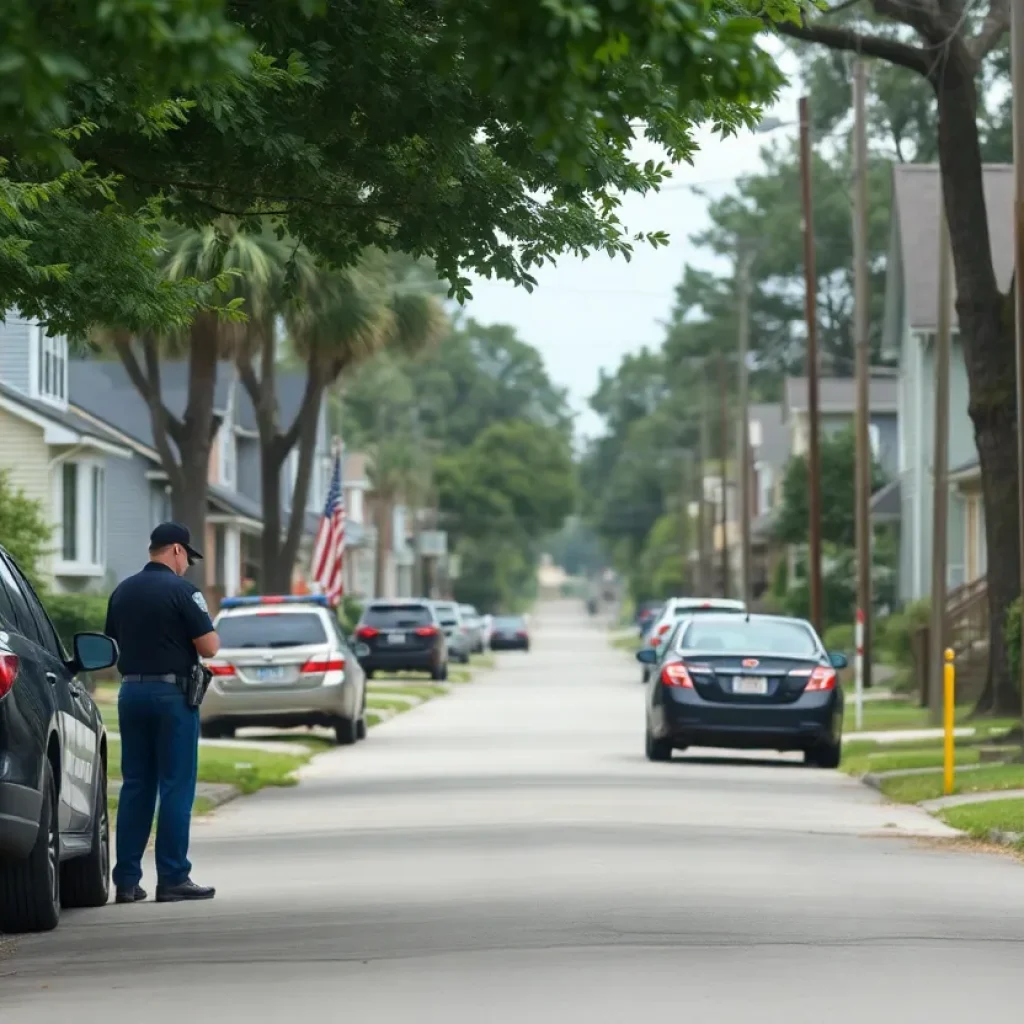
78,691
51,678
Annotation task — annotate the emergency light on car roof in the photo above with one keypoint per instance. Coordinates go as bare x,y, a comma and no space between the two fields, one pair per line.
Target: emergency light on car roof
250,602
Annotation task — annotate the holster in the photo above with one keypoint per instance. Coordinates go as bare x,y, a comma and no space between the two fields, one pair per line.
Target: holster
196,685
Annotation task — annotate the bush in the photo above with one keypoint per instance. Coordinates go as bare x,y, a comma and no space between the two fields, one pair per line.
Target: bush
349,613
76,613
840,637
893,633
1011,633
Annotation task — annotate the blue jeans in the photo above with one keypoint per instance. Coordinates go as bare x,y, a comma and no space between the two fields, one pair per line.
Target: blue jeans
159,753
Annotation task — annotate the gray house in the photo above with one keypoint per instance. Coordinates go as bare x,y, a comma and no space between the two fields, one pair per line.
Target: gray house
911,312
837,407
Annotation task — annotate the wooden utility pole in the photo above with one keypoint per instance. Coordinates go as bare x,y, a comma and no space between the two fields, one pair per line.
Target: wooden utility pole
861,326
811,315
684,520
706,572
940,470
724,462
744,471
1017,64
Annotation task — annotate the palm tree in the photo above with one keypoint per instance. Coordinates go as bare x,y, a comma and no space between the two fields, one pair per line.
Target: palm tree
335,320
241,269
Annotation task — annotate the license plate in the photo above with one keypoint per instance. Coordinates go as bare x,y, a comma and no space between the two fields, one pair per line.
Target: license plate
396,638
273,674
750,684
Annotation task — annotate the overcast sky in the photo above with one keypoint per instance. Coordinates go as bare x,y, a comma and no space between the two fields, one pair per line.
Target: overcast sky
586,315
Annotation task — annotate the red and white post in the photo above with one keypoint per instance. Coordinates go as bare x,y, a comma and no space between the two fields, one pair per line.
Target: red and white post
858,669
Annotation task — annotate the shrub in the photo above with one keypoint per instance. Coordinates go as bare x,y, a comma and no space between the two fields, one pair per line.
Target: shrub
349,612
893,633
76,613
840,637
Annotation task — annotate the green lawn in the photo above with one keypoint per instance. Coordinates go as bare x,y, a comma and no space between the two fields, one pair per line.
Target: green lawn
424,692
884,715
911,789
626,643
249,770
980,819
860,759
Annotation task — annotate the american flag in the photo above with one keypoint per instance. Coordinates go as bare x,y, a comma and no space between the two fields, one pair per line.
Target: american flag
329,550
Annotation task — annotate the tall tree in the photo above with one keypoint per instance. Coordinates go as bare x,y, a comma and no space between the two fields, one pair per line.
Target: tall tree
948,46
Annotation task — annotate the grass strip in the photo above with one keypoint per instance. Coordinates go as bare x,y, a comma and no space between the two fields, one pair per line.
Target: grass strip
978,820
912,789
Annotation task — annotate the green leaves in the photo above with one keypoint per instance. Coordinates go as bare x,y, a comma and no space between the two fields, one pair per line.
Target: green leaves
24,531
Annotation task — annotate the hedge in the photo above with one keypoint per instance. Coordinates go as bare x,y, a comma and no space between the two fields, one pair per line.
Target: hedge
76,613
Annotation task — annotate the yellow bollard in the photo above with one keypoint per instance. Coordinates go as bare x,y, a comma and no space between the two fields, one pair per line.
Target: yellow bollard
948,715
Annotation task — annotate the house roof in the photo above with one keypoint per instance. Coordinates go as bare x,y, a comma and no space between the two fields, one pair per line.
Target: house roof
774,446
966,470
79,429
886,502
103,388
839,394
916,196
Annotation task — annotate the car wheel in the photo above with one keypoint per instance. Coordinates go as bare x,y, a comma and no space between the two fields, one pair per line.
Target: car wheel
825,755
85,881
440,674
361,729
346,731
30,888
369,673
645,676
656,749
216,731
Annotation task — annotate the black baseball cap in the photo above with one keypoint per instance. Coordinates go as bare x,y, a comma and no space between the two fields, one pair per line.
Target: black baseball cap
167,534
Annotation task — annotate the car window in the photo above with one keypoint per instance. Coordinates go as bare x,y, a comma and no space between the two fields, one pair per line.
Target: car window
397,616
271,629
756,636
508,623
25,620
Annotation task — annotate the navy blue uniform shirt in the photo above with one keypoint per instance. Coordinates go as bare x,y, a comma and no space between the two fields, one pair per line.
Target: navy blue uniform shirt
154,616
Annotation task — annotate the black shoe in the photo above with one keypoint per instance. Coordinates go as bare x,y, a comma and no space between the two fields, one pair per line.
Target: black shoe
133,894
188,890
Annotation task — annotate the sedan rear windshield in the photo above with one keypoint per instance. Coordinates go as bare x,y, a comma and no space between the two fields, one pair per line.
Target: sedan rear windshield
271,629
397,616
508,623
741,637
696,609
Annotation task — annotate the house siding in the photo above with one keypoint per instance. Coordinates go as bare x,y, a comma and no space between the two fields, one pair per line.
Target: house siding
130,510
25,457
249,468
16,352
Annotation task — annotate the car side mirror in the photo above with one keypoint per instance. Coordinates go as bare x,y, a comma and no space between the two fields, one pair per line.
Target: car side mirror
94,651
837,659
647,656
360,650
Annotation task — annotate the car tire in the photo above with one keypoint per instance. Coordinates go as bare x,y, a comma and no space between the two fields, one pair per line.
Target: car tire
216,731
645,676
346,731
30,888
657,749
369,673
440,674
825,755
361,729
85,881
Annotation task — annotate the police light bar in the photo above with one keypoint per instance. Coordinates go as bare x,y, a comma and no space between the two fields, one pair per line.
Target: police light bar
251,602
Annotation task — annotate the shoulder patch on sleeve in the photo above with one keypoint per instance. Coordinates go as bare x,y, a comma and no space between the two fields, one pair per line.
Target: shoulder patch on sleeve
200,601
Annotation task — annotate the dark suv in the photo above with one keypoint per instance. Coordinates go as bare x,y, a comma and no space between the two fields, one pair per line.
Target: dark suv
403,636
54,826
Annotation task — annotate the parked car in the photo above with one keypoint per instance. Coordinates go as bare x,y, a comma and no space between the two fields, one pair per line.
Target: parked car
455,629
748,682
474,622
283,662
402,636
54,821
648,615
511,633
676,608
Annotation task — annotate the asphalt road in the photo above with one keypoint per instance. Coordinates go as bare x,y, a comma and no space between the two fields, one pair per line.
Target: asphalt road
506,854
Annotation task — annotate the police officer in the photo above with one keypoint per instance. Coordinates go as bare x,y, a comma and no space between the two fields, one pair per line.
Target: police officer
162,626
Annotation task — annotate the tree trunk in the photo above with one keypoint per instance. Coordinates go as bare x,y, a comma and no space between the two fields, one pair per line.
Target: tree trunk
987,338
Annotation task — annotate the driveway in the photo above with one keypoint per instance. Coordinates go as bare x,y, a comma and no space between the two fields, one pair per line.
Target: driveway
506,854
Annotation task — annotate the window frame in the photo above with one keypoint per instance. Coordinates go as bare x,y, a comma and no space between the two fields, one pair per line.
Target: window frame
51,368
90,526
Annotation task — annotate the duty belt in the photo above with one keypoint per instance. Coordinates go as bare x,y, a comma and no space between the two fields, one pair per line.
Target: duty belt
167,677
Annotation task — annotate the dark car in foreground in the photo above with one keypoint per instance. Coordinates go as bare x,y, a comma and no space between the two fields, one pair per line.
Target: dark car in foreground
54,822
511,633
754,682
402,636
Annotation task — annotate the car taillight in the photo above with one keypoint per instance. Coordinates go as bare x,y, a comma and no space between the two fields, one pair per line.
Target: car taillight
221,668
520,632
820,678
317,666
663,629
426,631
675,674
9,664
367,632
